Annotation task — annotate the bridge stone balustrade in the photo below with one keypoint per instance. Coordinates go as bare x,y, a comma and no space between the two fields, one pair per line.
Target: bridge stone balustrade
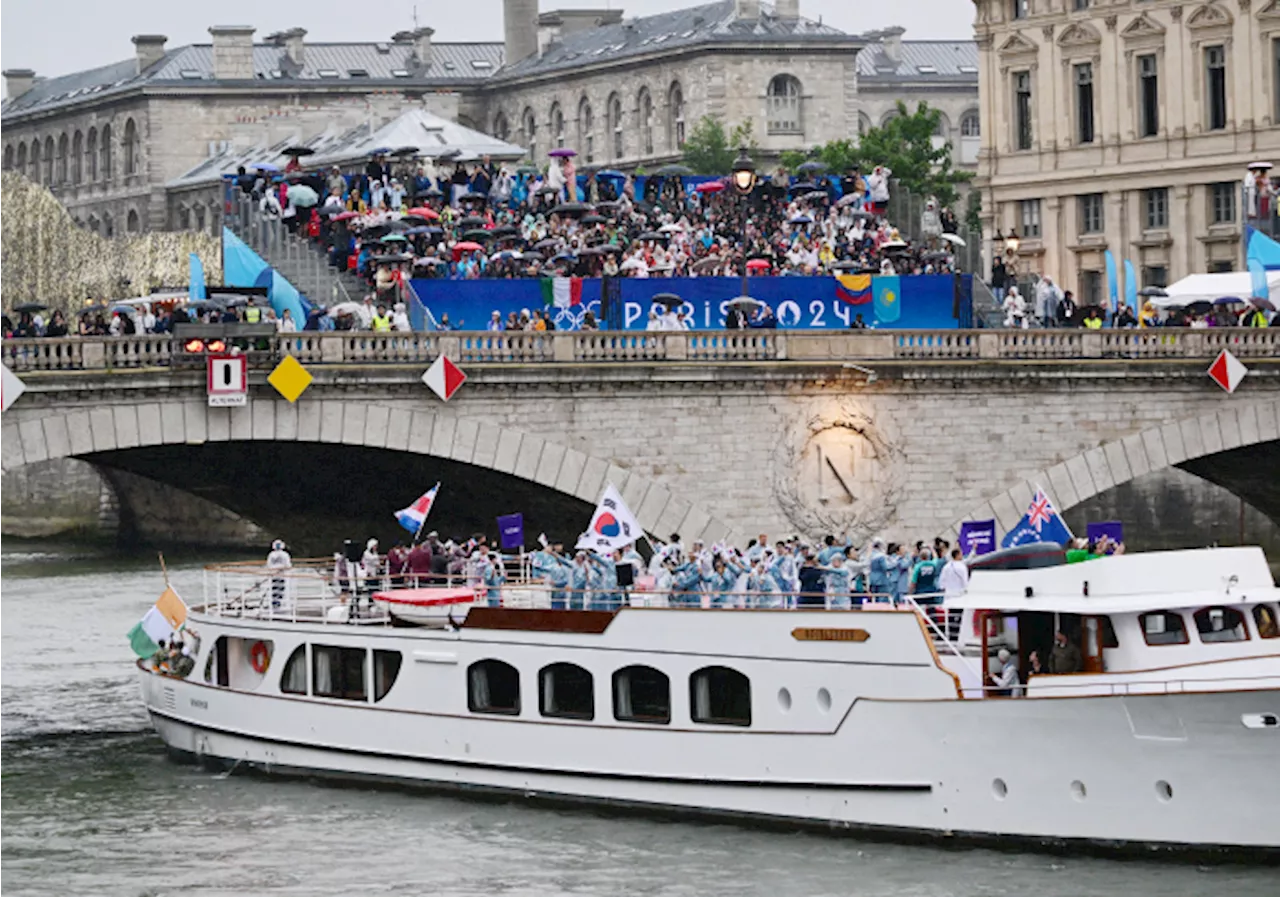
941,346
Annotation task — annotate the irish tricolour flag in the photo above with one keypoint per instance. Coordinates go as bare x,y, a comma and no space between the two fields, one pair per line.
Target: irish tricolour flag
562,292
167,616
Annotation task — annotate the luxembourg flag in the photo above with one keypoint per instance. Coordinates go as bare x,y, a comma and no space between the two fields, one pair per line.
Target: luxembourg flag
412,517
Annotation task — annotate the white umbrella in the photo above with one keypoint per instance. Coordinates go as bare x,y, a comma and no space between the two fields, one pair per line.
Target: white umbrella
303,196
953,239
670,228
344,308
631,263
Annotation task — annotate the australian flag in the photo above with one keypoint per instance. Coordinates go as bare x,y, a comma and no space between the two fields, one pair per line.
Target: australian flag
1041,523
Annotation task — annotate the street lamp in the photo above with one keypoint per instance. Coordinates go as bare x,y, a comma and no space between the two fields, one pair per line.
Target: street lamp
744,181
1011,243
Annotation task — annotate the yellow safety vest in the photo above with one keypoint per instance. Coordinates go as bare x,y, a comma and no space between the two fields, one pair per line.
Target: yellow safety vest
1093,323
252,315
383,323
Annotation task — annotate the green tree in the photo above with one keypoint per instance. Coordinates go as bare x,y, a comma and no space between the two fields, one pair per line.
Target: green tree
793,159
710,150
905,145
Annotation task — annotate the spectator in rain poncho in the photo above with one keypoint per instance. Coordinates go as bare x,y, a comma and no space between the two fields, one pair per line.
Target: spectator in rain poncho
605,594
554,570
837,577
579,581
492,576
761,582
1015,309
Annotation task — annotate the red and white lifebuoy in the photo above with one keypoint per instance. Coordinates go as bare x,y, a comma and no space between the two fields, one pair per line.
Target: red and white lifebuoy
259,657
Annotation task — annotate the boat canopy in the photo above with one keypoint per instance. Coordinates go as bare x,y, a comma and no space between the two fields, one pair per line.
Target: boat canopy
1127,583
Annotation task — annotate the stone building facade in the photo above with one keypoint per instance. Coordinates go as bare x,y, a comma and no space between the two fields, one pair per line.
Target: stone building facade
111,141
1124,125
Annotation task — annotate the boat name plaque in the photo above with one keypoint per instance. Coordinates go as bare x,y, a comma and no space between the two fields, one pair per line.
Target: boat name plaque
830,635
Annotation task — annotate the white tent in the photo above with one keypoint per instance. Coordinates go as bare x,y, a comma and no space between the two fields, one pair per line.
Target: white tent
431,135
1208,287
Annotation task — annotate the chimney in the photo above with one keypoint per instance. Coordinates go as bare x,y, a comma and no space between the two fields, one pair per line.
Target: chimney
149,49
787,10
17,82
422,46
891,42
293,44
519,29
746,9
232,52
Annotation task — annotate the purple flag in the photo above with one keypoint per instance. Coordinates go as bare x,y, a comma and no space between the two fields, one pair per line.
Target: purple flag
1112,529
977,537
511,530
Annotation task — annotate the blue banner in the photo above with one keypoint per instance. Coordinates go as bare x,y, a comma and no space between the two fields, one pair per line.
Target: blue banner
1130,286
242,267
511,530
1113,281
977,537
195,277
1112,529
917,302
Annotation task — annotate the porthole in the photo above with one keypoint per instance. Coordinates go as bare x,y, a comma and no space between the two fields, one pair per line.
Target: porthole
824,700
999,789
1164,791
1078,791
784,699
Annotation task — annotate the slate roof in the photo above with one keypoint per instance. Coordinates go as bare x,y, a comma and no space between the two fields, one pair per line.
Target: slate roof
708,23
921,60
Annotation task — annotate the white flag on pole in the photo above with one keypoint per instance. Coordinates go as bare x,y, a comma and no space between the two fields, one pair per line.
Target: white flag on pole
612,525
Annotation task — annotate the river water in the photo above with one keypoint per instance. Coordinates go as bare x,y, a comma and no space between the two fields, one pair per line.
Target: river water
91,804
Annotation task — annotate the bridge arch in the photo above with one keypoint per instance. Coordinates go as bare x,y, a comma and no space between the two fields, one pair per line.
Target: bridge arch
49,433
1238,425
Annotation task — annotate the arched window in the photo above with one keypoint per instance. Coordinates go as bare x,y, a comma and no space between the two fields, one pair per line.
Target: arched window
215,217
93,223
184,218
720,696
108,226
386,669
60,174
8,157
971,124
1163,627
501,127
888,117
586,130
77,158
47,174
644,108
529,133
616,144
566,690
557,124
293,681
132,148
104,158
91,156
34,171
675,116
199,217
20,161
1264,615
864,124
1221,624
493,687
641,695
784,105
131,222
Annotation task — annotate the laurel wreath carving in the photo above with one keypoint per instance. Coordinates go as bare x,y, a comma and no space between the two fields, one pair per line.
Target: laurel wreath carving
872,512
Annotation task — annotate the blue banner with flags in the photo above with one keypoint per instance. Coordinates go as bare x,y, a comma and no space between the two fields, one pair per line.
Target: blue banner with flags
888,298
1041,523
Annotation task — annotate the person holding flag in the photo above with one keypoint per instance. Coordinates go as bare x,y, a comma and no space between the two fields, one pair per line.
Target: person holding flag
413,517
1041,523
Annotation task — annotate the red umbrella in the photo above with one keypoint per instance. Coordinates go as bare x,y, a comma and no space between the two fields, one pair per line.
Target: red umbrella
465,246
345,216
424,212
709,187
758,265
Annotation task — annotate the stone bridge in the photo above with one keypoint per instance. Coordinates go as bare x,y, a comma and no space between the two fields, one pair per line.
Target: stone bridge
710,435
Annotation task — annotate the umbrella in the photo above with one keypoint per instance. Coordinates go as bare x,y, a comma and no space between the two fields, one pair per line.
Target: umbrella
424,212
345,216
594,219
528,170
471,221
672,228
758,265
746,304
548,191
449,155
344,308
430,192
591,250
380,151
670,300
608,206
1260,302
547,244
394,238
708,264
478,235
302,196
505,255
709,187
935,256
609,248
893,245
953,240
532,255
802,219
266,166
631,263
1228,300
562,152
803,187
472,197
811,167
651,235
816,194
673,170
98,308
467,246
1199,307
504,230
405,152
848,199
1259,166
393,258
610,173
297,151
418,231
571,208
563,257
845,265
864,216
29,307
1152,291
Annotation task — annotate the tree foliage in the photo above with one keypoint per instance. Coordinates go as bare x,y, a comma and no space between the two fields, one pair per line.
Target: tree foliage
709,149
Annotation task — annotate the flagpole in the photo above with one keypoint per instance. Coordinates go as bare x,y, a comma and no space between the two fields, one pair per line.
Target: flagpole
418,533
163,569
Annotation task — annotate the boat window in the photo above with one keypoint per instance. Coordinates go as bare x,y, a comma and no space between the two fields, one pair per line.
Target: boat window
1264,615
567,690
239,663
720,695
1109,639
338,672
293,681
641,695
493,687
1163,627
1221,624
386,667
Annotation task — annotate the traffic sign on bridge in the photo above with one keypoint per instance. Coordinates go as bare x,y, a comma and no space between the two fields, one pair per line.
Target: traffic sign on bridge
228,380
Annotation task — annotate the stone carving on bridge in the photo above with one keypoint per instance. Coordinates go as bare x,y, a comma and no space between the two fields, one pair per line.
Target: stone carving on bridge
836,472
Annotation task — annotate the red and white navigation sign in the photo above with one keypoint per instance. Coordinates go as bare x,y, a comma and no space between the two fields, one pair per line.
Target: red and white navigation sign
1227,371
228,380
444,377
10,387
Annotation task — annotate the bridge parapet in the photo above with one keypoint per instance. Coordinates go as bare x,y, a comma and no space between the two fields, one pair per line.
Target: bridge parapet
610,347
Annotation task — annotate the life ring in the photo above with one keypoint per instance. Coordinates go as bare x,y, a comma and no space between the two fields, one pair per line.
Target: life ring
259,657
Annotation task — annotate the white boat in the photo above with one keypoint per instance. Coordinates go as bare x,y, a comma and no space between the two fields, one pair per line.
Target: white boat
869,720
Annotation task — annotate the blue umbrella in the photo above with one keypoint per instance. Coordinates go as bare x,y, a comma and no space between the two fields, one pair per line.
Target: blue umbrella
563,257
415,231
802,219
1228,300
610,173
267,166
380,151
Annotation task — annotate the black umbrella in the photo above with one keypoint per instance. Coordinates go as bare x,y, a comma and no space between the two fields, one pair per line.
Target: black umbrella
430,192
297,151
547,245
471,221
816,194
531,255
844,265
472,197
610,248
811,167
594,219
449,155
571,208
608,206
391,258
504,230
1152,291
479,235
591,250
32,307
405,151
935,256
1199,307
651,235
803,187
674,170
670,300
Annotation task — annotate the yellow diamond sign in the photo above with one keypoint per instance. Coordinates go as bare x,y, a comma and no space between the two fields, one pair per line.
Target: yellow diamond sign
290,378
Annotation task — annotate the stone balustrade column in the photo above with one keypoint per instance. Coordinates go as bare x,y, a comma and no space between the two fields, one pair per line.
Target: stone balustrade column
562,345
